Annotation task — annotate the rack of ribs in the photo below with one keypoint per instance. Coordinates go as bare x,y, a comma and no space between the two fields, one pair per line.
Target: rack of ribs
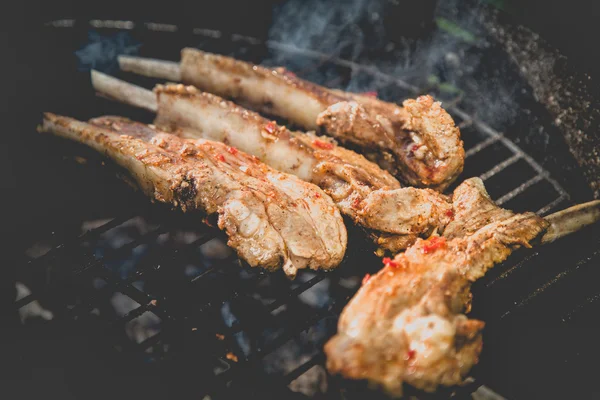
418,142
393,216
272,219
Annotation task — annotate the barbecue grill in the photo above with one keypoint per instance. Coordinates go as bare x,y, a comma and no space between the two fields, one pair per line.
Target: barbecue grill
166,309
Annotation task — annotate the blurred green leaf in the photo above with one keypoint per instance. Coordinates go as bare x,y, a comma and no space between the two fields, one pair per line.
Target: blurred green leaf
449,88
433,80
455,30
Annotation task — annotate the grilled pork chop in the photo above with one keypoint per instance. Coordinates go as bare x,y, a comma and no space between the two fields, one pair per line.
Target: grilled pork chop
406,323
394,217
418,143
272,219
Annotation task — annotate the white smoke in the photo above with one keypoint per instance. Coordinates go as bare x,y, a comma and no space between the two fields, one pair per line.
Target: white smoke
101,51
330,27
444,62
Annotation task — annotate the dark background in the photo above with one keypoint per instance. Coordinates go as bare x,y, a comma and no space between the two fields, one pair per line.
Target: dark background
33,201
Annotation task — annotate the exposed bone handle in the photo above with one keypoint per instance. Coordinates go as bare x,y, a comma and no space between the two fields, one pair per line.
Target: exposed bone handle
571,220
123,91
150,67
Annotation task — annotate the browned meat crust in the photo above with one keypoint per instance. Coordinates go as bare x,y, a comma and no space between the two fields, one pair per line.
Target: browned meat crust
272,219
394,216
406,323
419,143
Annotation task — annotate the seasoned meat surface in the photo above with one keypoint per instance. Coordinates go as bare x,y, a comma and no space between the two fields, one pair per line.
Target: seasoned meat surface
419,142
272,219
395,217
407,322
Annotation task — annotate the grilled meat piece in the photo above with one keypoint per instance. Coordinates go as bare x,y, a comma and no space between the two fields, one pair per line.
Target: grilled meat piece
272,219
370,196
406,323
394,217
418,143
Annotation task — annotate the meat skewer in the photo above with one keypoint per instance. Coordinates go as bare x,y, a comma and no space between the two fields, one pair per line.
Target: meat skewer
418,142
407,322
273,220
370,196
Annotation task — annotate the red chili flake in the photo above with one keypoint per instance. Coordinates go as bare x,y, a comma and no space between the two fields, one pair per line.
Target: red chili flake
450,213
370,93
411,354
271,127
220,157
207,222
356,203
317,195
415,147
289,73
232,150
366,278
388,261
433,244
323,145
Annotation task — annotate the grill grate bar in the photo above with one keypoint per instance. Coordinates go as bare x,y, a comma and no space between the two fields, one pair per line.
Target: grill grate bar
91,262
146,301
345,63
127,247
295,292
551,205
234,290
221,379
49,288
512,269
270,347
499,167
304,323
517,150
465,124
481,145
588,300
278,302
519,189
149,342
115,283
88,235
526,300
318,359
229,261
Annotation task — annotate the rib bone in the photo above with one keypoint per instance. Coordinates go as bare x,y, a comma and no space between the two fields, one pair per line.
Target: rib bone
419,143
272,219
394,216
570,220
152,68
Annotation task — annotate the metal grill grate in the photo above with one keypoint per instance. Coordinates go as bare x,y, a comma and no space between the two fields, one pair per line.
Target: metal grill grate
478,136
238,321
